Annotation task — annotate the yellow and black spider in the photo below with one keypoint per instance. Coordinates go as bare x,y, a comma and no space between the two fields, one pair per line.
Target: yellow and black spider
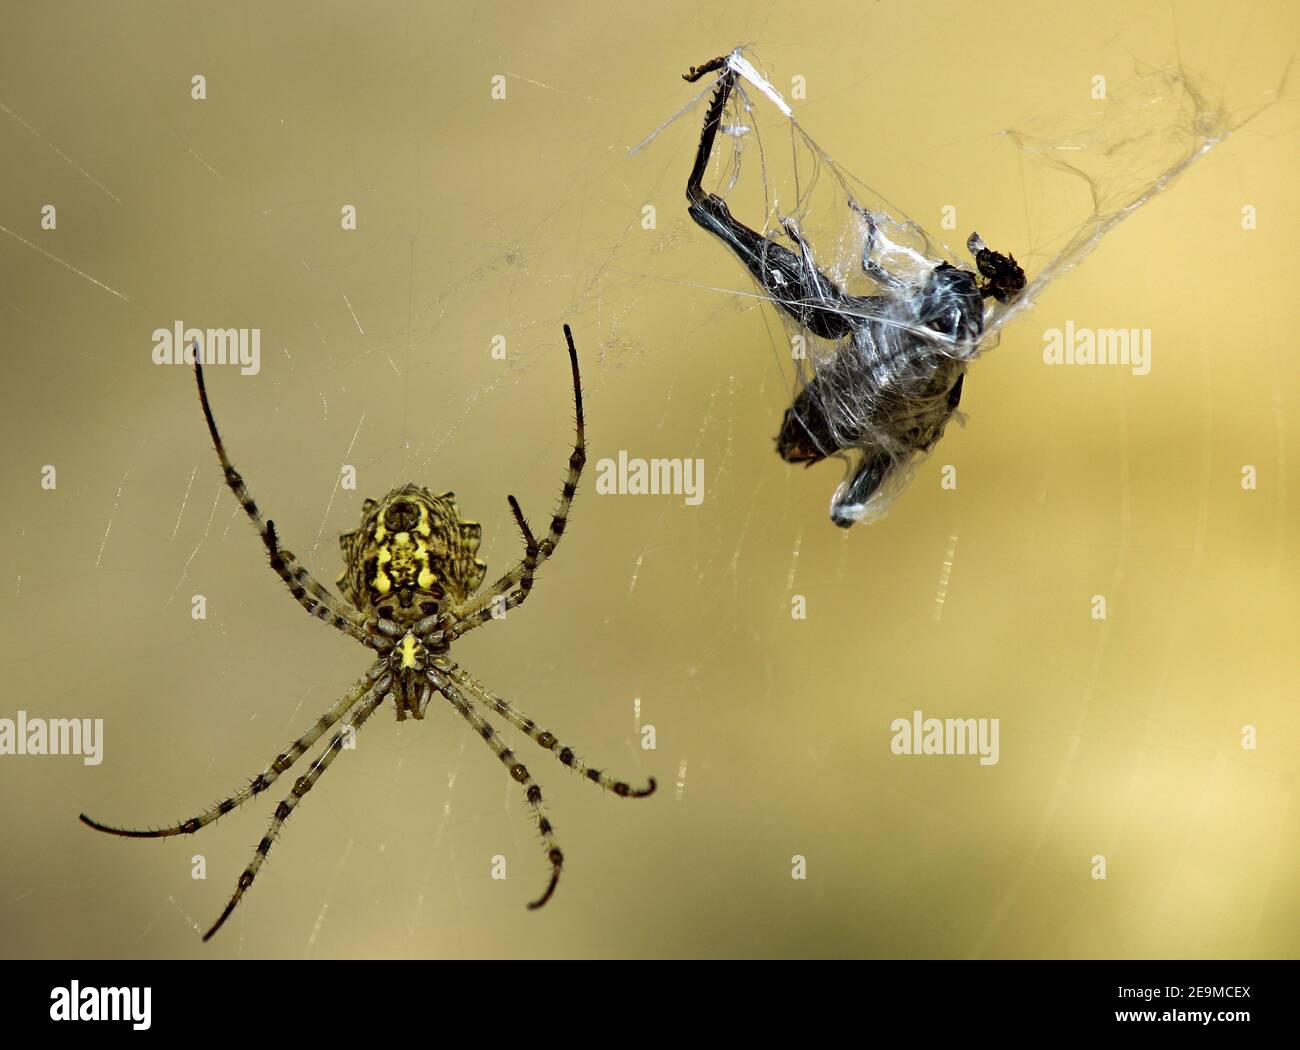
408,583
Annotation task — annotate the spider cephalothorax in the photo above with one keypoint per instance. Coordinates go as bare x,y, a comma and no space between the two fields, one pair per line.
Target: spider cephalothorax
408,583
411,555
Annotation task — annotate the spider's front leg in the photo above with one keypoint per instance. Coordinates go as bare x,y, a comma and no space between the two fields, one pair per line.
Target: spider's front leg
515,585
310,594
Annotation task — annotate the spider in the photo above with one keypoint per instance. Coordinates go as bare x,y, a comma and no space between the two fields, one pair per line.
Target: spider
891,388
408,583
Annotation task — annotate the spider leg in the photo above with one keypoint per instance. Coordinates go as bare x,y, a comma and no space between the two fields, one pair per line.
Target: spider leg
518,582
544,738
532,556
310,594
362,691
304,784
518,772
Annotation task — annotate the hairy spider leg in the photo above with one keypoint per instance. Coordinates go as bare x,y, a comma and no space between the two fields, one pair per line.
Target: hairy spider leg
310,594
544,738
518,772
282,762
516,584
305,783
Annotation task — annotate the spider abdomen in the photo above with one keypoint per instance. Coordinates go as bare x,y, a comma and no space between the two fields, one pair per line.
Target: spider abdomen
411,554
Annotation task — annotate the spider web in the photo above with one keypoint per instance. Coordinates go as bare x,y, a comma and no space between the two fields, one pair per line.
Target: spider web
480,218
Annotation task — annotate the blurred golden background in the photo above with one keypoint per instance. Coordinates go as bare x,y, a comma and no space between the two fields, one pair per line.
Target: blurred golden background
479,217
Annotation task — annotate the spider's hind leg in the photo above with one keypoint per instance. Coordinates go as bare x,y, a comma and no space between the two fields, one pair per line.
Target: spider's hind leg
301,786
518,772
282,762
545,738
